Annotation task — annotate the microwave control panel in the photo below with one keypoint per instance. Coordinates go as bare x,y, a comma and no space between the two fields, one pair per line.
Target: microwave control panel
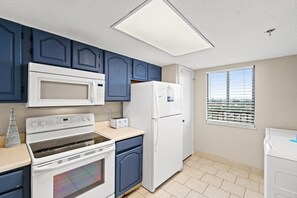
100,93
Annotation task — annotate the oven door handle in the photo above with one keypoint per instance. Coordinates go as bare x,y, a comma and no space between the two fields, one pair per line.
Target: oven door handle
82,158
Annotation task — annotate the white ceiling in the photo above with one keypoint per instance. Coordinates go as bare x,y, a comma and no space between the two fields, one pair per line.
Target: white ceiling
235,27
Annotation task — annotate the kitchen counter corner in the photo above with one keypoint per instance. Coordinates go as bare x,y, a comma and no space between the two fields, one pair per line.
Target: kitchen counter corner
15,157
104,129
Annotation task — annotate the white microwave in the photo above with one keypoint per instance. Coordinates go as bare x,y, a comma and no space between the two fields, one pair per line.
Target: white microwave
50,86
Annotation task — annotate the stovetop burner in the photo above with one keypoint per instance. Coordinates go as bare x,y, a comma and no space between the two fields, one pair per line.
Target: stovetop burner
55,146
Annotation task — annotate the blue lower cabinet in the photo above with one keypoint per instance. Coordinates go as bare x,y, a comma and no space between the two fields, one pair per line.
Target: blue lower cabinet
13,194
86,57
10,61
117,69
128,165
154,73
51,49
15,183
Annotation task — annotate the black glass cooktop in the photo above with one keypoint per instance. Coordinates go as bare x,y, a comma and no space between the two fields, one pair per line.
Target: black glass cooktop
51,147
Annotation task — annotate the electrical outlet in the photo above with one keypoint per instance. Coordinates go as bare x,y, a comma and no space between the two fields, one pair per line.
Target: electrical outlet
109,112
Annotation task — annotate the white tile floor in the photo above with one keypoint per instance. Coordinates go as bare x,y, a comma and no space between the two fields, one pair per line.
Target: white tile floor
204,178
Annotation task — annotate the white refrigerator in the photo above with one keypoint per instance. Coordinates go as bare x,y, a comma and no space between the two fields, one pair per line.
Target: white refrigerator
155,108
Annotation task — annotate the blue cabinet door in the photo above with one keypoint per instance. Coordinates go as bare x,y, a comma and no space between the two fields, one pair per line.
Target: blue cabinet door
117,69
51,49
15,183
140,70
86,57
154,73
10,61
128,170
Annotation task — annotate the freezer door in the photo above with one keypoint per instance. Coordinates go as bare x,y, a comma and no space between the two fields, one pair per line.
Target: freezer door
167,149
167,99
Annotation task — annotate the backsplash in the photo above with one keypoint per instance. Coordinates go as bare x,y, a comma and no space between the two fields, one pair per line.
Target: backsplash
102,113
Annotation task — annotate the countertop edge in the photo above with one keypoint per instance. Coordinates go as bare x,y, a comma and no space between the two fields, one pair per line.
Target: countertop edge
122,137
4,169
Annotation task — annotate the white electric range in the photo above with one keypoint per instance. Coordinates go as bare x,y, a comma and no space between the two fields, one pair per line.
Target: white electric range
68,158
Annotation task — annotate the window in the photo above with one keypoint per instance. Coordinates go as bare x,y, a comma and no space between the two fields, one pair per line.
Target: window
231,97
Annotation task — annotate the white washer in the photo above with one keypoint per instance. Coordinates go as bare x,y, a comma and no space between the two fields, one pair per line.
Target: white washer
280,171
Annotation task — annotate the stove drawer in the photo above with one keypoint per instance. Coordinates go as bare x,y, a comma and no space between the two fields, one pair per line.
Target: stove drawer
10,181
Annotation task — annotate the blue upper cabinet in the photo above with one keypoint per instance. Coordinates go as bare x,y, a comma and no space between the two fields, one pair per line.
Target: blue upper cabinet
86,57
51,49
140,70
26,58
10,61
117,69
154,73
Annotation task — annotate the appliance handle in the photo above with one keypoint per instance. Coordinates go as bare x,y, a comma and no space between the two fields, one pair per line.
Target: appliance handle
267,144
157,121
93,92
50,166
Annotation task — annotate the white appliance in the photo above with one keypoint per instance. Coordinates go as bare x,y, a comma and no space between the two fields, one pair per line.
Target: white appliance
118,123
57,86
184,76
68,158
155,108
280,164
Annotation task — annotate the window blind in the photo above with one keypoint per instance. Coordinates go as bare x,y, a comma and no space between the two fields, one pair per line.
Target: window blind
231,96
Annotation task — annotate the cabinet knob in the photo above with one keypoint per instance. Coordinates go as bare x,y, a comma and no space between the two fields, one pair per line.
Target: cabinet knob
183,120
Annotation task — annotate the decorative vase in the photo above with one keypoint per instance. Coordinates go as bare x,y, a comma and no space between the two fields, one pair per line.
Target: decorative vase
12,137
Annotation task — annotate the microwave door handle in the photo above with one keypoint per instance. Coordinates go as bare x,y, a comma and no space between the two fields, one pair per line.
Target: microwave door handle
93,92
50,167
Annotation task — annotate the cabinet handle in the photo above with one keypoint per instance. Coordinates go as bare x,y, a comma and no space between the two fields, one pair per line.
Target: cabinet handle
183,120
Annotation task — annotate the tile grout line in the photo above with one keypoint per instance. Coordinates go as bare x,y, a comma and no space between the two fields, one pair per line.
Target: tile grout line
247,187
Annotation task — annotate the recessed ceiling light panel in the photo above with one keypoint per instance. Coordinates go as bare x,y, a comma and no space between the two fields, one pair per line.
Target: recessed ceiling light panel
159,24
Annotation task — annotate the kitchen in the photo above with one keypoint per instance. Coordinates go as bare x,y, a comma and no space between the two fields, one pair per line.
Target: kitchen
199,105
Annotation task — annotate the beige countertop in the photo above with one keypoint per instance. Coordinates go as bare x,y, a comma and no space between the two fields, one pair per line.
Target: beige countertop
15,157
116,134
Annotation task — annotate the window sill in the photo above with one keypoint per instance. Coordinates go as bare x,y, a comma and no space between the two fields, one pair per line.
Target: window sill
227,124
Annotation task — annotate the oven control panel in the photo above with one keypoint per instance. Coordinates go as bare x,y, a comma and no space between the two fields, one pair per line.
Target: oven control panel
59,122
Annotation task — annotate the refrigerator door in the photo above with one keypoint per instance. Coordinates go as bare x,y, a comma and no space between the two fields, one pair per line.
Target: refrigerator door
167,99
167,150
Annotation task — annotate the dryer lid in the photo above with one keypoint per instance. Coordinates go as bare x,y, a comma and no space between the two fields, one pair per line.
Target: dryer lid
278,143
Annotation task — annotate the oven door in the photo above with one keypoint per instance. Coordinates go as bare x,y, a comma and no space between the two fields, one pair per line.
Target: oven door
85,175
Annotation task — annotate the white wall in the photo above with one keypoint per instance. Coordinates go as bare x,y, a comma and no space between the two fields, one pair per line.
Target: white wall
276,106
21,112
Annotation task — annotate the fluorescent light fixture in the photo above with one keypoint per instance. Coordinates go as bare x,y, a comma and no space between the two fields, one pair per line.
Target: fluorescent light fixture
159,24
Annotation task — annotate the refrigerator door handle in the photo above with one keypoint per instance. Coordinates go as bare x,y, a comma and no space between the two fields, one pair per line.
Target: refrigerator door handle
155,127
156,120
